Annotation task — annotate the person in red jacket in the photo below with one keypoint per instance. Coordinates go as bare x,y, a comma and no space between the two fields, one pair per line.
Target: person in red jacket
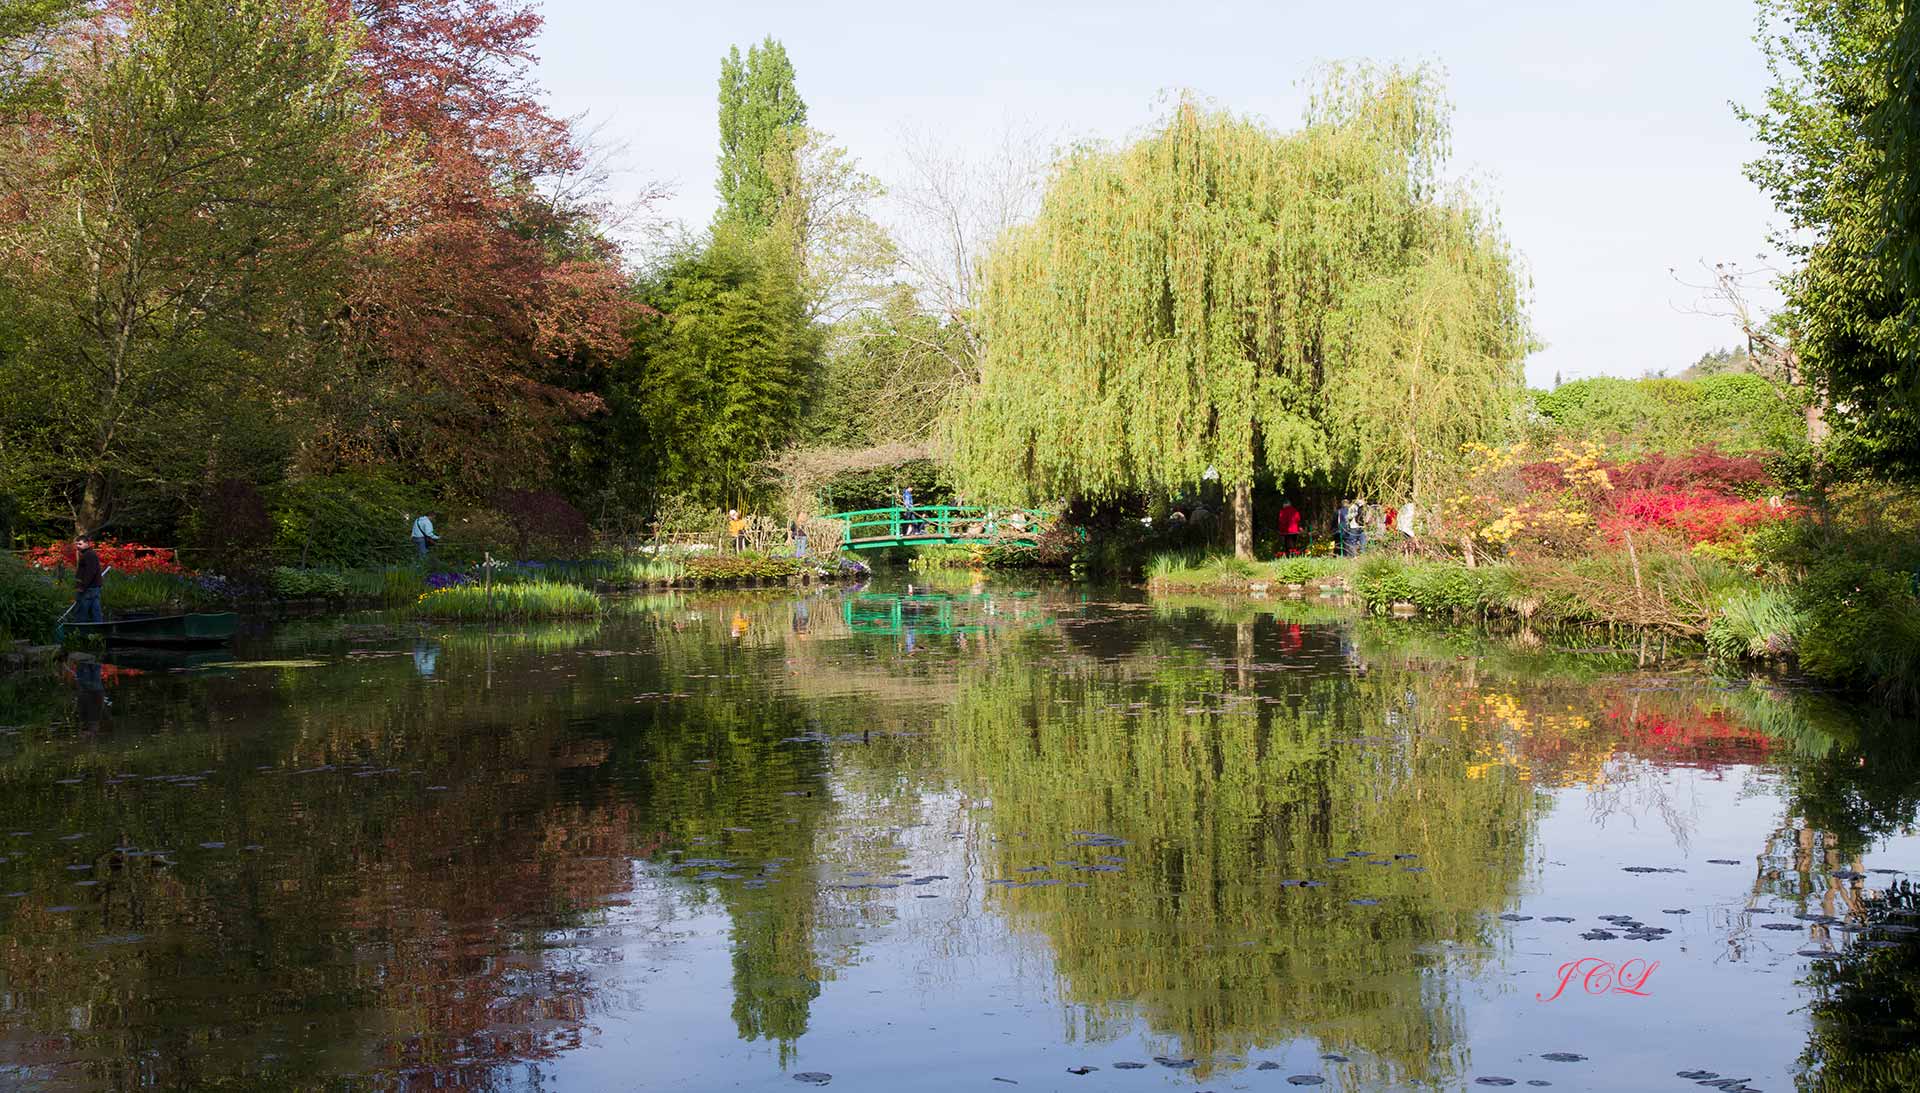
1289,529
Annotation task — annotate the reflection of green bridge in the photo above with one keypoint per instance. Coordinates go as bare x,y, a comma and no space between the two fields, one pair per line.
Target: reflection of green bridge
929,613
872,529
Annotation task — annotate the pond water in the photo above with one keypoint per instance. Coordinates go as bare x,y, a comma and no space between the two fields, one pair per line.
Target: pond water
974,838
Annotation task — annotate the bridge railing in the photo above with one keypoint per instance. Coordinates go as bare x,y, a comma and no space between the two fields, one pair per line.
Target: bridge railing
935,523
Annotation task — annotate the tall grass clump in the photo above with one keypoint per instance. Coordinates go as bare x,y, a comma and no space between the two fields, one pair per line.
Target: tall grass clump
1754,622
655,569
524,600
29,602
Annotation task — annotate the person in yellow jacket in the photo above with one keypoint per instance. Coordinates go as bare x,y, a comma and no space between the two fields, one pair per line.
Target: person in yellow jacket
737,529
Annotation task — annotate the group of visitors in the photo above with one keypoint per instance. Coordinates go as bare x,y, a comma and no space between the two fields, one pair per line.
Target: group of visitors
1355,519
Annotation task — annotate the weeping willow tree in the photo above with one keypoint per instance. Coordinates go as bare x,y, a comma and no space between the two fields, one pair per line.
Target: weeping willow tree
1222,295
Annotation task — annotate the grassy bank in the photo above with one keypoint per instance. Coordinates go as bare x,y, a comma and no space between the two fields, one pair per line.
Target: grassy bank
522,600
1832,618
1196,571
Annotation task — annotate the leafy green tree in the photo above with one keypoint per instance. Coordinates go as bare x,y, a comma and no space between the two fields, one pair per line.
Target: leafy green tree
26,27
888,377
1223,296
1830,120
720,370
183,214
762,120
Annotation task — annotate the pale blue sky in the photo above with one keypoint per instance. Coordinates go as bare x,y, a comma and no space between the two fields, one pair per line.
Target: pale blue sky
1603,129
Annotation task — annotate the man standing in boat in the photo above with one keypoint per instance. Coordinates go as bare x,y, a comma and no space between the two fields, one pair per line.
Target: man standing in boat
86,582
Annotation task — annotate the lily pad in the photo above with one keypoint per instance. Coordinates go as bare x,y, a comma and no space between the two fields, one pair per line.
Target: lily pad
813,1077
1563,1057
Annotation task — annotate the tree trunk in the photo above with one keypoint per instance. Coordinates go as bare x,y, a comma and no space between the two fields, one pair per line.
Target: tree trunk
96,505
1243,521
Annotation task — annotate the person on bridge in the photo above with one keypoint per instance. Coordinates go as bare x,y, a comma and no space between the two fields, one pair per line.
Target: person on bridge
1289,529
909,525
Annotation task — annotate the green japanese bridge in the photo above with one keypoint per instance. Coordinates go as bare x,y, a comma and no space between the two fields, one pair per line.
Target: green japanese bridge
873,529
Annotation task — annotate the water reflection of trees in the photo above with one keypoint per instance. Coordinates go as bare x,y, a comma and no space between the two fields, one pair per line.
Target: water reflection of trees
1220,801
388,928
382,926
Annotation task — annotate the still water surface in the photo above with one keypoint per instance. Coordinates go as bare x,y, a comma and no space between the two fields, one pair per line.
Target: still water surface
954,840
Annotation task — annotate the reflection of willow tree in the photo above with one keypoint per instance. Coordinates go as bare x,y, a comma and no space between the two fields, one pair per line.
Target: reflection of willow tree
1223,797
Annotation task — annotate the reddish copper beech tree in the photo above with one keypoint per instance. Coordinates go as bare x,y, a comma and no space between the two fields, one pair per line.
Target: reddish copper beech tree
486,282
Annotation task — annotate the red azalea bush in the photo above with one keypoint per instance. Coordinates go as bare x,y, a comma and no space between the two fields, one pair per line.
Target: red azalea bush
1700,469
121,557
1697,515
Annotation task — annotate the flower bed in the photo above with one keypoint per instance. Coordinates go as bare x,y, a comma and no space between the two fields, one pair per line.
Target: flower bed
126,558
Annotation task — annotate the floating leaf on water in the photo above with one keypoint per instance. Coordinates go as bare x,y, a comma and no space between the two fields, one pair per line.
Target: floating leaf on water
1268,1066
1493,1080
1538,1081
1723,861
1305,1079
1176,1064
1675,911
1563,1057
1651,869
1082,1069
1599,935
1697,1075
813,1077
1512,917
1555,918
1335,1057
1781,926
1129,1066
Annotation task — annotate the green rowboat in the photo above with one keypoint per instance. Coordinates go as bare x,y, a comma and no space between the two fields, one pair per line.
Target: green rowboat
161,631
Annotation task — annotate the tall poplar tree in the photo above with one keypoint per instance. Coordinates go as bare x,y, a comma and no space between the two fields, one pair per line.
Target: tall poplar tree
761,115
1221,295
